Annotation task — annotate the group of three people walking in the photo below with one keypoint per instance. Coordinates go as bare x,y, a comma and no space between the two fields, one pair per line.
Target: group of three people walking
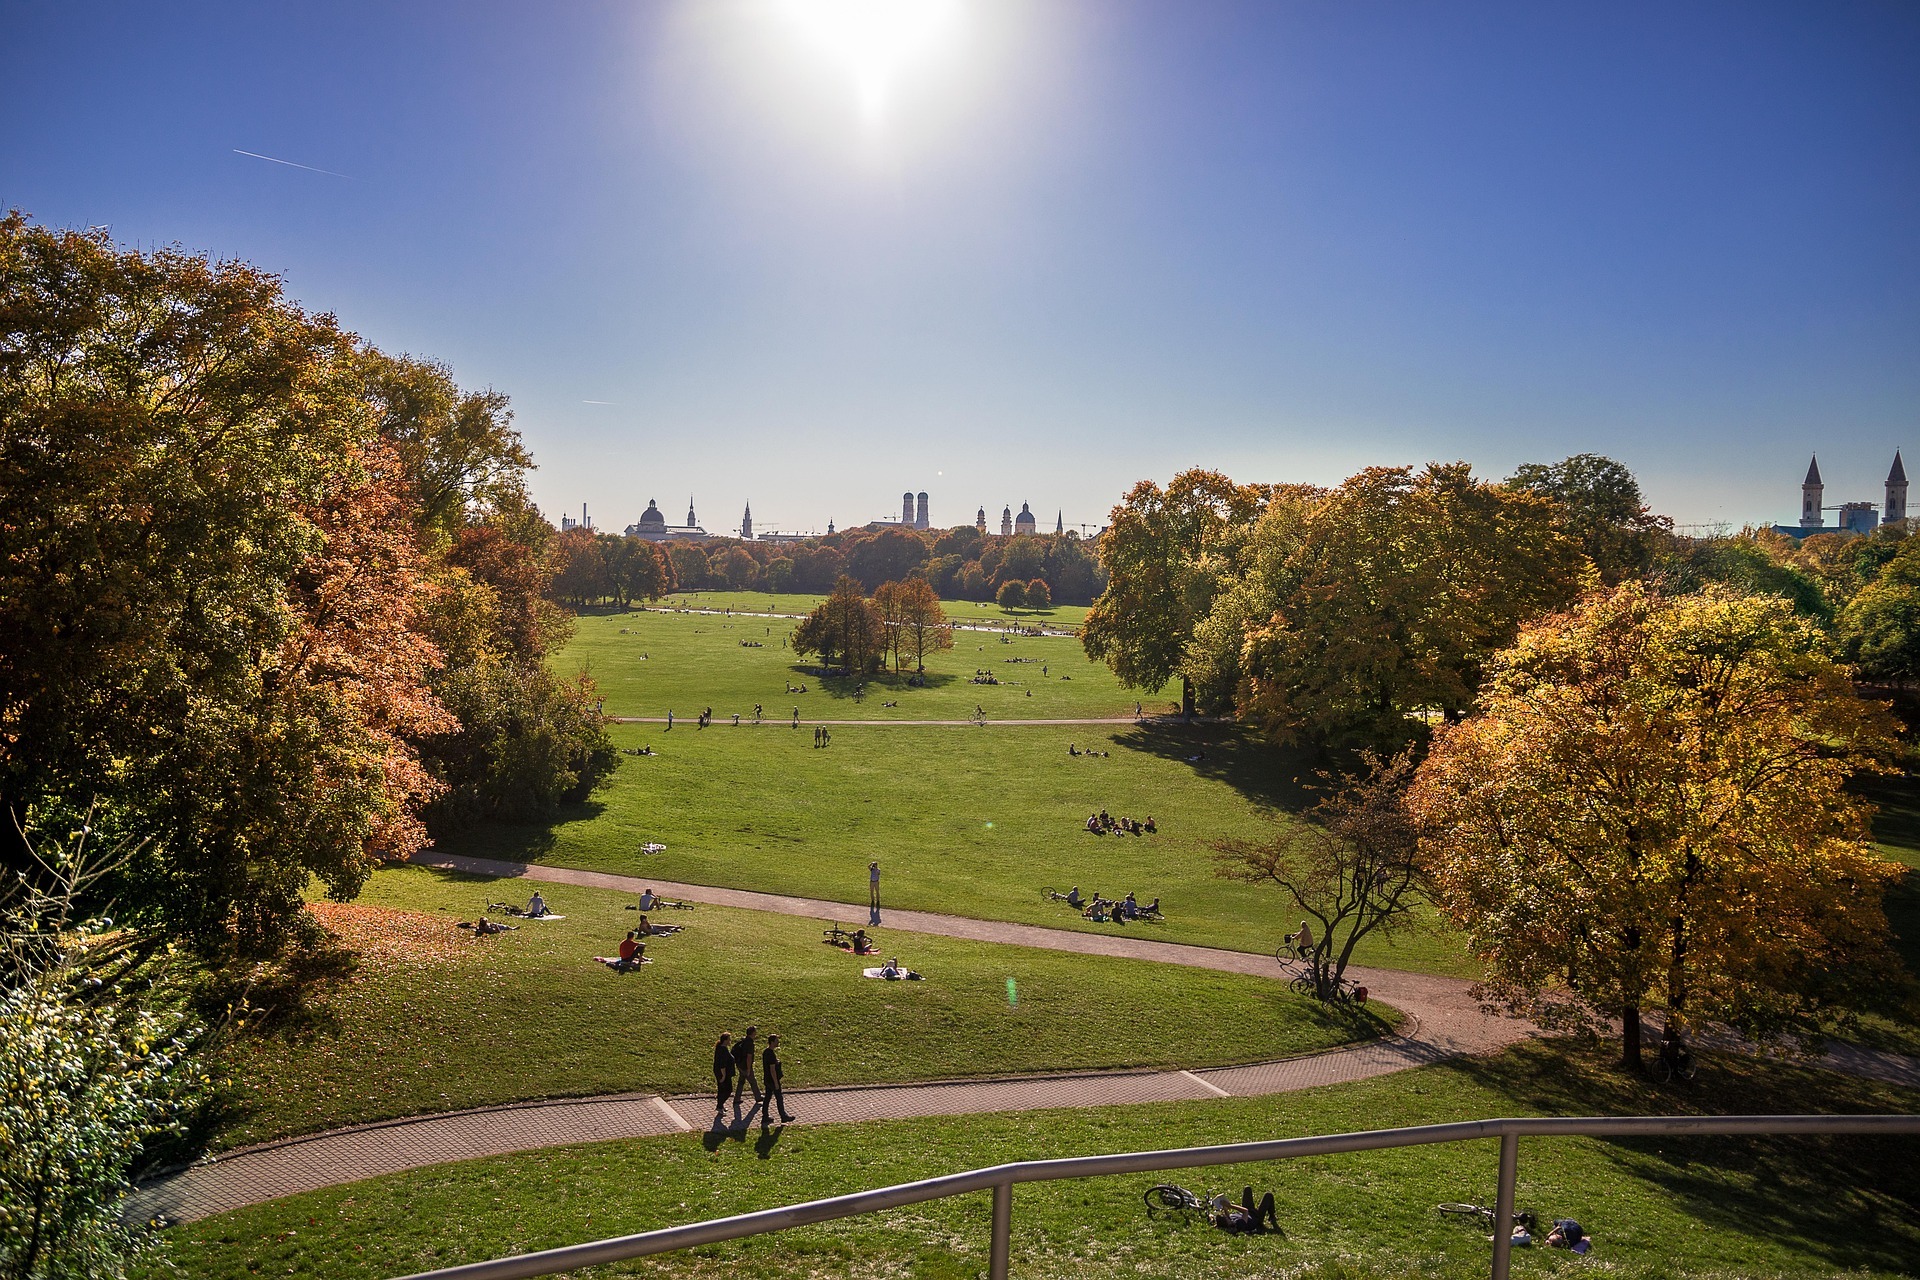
733,1073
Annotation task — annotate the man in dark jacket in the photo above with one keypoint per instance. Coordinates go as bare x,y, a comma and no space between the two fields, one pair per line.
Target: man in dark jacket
743,1068
722,1070
772,1072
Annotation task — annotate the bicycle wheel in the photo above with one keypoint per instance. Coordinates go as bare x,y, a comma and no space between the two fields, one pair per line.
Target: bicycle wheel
1302,984
1461,1209
1284,956
1165,1195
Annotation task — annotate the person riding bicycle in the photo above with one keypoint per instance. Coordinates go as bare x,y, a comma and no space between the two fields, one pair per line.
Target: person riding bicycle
1302,942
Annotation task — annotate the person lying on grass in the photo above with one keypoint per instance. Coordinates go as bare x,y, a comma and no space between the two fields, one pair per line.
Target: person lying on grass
483,926
1245,1217
892,972
648,929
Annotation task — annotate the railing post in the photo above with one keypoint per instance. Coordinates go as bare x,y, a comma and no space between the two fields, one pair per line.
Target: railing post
1503,1205
1002,1245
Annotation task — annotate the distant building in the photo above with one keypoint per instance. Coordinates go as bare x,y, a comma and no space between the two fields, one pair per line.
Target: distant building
746,524
913,514
1024,522
1855,517
1060,520
980,521
652,525
1006,522
584,522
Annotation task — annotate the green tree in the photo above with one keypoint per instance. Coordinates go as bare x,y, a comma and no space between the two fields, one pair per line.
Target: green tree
1880,627
1392,594
1012,594
843,629
888,556
1651,810
780,574
1167,554
1039,595
1601,509
457,448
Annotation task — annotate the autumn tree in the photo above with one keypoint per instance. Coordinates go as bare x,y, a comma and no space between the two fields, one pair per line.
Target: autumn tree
1039,595
1167,554
844,628
1011,595
1387,599
1880,627
1651,811
887,556
918,623
1349,863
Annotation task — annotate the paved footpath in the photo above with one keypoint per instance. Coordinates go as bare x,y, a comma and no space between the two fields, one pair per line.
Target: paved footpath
1442,1021
776,722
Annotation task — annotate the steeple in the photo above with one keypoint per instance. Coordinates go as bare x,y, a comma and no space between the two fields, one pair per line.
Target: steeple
690,520
746,525
980,520
1896,508
1060,520
1811,491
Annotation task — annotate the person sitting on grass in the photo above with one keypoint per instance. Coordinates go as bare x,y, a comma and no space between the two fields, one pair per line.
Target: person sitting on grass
1152,908
647,900
1130,906
536,906
1073,897
1093,823
1148,825
862,944
1072,750
633,953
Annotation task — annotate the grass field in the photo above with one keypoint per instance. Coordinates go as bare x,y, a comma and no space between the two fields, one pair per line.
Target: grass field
1701,1207
799,604
647,664
966,821
436,1019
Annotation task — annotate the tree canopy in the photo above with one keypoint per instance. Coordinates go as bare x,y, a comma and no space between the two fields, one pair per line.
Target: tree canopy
1651,810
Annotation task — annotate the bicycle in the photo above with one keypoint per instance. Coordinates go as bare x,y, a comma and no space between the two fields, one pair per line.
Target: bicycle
1676,1062
1524,1219
1174,1198
1051,894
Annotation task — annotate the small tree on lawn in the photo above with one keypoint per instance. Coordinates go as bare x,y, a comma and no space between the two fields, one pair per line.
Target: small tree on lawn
844,627
1350,866
94,1061
1039,594
1651,810
924,628
1012,594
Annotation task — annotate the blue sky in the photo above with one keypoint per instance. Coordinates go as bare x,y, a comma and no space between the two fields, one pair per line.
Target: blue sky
1078,242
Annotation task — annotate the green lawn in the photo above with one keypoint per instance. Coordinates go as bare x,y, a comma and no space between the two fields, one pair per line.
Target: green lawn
966,821
459,1022
1701,1207
647,664
799,604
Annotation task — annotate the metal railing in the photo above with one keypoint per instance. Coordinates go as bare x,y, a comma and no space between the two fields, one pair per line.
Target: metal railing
1000,1180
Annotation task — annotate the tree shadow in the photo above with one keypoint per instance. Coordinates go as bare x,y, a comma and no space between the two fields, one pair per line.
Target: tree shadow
1272,777
836,683
1854,1201
522,840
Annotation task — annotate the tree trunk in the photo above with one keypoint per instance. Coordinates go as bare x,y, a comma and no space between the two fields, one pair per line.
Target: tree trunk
1186,698
1630,1039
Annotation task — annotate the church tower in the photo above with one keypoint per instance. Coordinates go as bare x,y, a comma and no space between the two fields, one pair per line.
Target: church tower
1810,493
691,522
1006,522
906,510
746,525
920,515
980,521
1060,521
1896,508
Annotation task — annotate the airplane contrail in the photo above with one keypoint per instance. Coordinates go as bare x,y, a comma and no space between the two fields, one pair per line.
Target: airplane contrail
290,164
599,402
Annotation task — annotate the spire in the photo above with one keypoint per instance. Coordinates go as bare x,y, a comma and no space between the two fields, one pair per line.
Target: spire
690,520
1060,521
1813,471
1899,473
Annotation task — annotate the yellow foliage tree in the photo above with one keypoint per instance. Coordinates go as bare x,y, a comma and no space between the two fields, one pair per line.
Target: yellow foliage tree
1651,811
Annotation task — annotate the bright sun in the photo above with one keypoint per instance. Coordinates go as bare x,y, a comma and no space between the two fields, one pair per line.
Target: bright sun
874,42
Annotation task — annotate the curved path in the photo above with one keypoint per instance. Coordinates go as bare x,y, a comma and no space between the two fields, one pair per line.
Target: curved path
777,722
1443,1021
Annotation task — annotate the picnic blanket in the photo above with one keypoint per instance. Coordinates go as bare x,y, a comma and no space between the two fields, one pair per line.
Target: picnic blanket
653,848
905,975
551,915
613,962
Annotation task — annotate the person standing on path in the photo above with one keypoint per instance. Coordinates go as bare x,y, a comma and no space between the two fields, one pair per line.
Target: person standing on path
722,1070
773,1073
743,1069
873,893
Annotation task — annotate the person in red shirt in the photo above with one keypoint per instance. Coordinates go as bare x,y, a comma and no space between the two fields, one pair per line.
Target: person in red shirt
632,952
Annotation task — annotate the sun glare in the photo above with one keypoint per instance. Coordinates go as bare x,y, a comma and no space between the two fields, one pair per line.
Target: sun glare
874,42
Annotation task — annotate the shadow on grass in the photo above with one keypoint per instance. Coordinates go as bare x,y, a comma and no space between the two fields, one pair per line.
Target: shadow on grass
516,841
1854,1201
877,685
1266,775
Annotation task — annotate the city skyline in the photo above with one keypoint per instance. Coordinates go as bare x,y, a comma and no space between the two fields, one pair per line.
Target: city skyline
1083,243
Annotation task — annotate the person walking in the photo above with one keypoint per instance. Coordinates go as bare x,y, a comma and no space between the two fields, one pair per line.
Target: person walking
743,1069
873,893
722,1070
774,1074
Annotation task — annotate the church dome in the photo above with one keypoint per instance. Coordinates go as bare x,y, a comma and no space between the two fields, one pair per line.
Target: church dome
1024,522
651,517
